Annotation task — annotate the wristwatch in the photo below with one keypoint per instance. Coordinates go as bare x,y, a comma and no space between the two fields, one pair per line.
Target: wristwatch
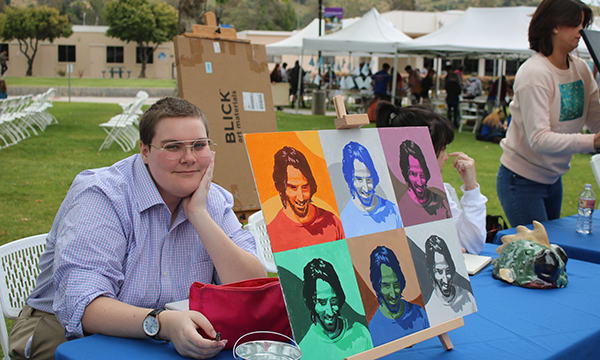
152,325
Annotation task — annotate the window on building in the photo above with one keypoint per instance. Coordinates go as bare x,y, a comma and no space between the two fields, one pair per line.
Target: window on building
149,52
114,54
4,47
66,53
471,66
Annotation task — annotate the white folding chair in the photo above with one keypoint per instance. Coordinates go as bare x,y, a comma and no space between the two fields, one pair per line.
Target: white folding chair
452,194
258,227
468,117
19,269
595,163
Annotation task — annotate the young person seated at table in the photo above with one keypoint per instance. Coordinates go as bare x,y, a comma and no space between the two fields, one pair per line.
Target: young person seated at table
470,220
134,236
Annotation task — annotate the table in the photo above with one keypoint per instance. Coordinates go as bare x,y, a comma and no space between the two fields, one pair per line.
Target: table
512,323
114,70
562,232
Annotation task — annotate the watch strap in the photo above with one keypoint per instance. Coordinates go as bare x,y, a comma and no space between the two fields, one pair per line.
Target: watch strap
154,313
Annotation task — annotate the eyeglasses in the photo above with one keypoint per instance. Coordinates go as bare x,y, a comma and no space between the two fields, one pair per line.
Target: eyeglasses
176,149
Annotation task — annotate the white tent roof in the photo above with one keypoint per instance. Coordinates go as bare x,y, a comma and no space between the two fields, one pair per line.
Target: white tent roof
293,44
371,34
481,31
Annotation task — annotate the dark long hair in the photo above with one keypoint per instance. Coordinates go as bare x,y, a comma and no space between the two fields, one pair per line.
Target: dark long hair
552,13
440,129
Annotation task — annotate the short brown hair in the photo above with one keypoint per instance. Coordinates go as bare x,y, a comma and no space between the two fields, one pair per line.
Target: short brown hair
552,13
170,107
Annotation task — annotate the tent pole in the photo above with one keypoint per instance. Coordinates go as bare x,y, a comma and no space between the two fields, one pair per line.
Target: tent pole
500,77
394,77
438,70
299,87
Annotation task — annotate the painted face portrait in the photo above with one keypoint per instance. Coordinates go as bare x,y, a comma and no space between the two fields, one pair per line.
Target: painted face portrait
298,192
391,289
417,179
327,309
363,183
442,275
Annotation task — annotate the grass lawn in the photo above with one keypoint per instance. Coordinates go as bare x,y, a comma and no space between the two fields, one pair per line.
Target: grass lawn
38,171
88,82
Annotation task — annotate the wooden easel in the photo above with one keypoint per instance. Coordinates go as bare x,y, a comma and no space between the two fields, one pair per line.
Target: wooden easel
345,121
441,331
212,31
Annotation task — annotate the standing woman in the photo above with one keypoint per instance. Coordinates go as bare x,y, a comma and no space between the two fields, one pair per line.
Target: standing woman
554,97
452,86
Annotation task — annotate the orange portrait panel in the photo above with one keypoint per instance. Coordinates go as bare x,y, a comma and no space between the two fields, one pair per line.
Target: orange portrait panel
262,149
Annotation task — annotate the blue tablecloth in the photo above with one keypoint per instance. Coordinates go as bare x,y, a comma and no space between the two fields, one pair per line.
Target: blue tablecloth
512,323
562,232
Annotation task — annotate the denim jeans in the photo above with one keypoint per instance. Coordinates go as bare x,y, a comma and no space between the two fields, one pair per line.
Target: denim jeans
524,200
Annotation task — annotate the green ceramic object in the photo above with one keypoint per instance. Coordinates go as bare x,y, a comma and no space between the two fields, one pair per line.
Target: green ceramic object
531,264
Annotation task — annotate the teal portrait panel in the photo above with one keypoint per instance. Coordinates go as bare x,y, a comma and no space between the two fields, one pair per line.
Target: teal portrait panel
323,301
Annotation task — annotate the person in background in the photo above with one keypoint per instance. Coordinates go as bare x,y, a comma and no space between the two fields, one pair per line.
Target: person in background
555,96
295,73
452,86
473,87
459,71
276,74
493,129
426,85
414,84
493,95
382,83
284,73
3,89
470,220
132,237
3,60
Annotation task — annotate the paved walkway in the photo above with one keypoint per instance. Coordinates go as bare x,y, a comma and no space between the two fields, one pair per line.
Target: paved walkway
105,100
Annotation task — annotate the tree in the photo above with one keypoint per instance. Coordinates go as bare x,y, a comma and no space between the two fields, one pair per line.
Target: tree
148,24
261,15
190,12
30,25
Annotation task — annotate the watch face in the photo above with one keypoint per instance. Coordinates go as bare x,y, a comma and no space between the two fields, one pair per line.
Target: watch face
151,327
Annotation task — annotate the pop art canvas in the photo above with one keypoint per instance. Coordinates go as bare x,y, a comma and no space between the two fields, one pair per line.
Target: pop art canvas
341,207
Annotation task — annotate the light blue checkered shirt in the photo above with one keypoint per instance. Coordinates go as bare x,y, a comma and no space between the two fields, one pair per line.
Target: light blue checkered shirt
112,237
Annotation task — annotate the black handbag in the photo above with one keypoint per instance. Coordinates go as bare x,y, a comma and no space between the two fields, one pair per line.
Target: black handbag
493,224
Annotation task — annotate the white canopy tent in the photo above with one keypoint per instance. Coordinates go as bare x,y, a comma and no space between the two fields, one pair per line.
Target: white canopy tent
481,32
484,32
293,44
372,33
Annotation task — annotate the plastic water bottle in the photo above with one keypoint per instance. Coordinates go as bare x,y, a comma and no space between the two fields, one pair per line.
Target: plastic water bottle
587,203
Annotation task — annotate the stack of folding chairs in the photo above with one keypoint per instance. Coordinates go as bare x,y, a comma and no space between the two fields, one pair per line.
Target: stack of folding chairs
122,128
20,115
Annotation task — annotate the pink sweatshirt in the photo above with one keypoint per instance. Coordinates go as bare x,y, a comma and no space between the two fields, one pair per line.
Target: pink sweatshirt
549,109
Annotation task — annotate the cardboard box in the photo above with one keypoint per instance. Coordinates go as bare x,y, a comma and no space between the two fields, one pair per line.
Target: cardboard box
229,81
281,93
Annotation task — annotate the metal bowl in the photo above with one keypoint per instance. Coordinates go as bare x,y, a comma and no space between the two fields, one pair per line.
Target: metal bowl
266,349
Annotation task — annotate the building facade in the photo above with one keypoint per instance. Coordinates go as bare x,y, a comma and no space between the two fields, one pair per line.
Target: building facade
93,55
